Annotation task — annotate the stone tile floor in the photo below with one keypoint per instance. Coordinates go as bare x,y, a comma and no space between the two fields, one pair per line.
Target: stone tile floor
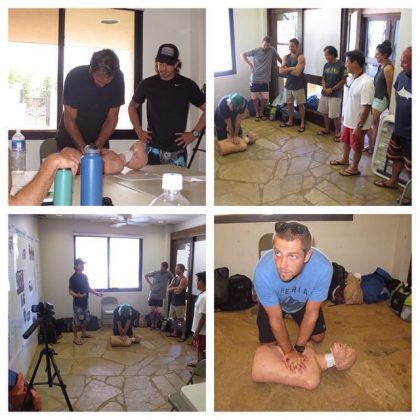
285,167
104,378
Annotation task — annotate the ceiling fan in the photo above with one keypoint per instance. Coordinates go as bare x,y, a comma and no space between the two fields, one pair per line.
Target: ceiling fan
129,219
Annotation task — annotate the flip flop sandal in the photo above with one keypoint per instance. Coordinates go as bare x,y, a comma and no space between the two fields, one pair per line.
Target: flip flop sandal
301,129
257,119
264,118
336,162
283,125
78,342
181,340
191,365
381,184
322,133
337,138
345,172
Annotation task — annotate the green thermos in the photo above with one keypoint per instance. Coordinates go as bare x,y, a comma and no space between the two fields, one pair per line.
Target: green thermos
63,187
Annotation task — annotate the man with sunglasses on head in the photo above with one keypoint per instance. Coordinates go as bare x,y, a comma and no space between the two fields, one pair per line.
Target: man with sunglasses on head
292,280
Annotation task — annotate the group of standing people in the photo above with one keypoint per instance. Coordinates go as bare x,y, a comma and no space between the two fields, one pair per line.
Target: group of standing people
349,97
162,283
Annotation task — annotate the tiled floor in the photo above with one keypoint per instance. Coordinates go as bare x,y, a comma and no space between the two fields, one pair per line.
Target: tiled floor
285,167
380,380
104,378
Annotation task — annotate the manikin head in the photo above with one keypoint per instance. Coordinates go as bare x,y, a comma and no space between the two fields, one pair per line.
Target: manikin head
344,355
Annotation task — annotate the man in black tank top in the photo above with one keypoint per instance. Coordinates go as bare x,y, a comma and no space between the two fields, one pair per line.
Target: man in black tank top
177,290
292,68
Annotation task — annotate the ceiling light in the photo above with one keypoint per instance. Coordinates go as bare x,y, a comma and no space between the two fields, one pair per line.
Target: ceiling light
109,21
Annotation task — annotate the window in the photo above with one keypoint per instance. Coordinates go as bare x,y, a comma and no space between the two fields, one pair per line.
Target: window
45,44
378,29
112,263
287,28
225,62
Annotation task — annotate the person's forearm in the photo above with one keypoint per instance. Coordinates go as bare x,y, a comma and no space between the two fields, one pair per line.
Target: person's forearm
108,127
306,329
201,124
237,125
74,132
126,326
200,324
281,335
229,128
33,193
135,120
364,114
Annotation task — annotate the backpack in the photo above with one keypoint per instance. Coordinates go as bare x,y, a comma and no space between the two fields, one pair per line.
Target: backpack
353,294
282,114
240,293
17,395
221,286
374,286
401,302
338,284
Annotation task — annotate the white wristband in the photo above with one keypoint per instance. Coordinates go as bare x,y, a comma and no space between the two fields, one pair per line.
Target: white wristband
329,358
128,155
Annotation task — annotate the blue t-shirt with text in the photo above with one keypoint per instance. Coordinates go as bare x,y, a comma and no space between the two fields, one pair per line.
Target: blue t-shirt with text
311,284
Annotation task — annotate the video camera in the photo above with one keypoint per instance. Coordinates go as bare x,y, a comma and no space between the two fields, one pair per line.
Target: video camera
45,319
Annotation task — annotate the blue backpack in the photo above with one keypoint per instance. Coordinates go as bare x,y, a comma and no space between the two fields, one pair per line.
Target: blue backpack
374,286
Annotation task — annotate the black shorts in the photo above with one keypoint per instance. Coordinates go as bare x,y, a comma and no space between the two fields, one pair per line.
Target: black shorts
265,333
155,303
258,87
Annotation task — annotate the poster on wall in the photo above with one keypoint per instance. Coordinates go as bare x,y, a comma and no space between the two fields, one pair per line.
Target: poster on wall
23,284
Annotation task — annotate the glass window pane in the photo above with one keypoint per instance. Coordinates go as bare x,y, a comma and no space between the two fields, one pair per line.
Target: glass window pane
93,250
124,262
376,35
223,58
32,58
86,33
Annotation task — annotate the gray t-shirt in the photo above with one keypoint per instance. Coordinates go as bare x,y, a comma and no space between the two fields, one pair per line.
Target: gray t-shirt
159,284
262,58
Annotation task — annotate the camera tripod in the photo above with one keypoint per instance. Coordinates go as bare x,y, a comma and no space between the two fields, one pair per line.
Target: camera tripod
49,353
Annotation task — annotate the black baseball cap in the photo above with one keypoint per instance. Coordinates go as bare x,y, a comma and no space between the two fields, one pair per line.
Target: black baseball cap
79,261
168,54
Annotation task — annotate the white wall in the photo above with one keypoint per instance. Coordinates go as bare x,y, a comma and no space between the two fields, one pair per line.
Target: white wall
56,239
250,29
369,241
21,360
186,28
404,40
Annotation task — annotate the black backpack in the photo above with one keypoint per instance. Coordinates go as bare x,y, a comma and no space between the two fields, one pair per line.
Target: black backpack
240,293
338,284
221,286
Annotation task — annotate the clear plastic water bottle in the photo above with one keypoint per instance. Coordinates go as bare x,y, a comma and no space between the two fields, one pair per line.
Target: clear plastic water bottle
171,196
18,153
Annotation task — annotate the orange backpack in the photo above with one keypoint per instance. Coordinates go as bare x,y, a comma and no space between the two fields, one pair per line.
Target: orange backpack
17,395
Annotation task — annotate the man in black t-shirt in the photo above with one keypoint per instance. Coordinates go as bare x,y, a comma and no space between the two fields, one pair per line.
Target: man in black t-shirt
168,97
79,288
92,98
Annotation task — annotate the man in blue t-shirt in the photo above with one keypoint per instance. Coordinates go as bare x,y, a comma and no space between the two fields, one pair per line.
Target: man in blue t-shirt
399,149
228,116
292,279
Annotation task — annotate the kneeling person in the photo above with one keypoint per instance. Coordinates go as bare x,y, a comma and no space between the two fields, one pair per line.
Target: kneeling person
124,316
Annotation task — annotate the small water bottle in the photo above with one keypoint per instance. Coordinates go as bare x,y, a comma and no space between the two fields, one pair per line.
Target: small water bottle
63,187
171,196
273,112
91,170
18,153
